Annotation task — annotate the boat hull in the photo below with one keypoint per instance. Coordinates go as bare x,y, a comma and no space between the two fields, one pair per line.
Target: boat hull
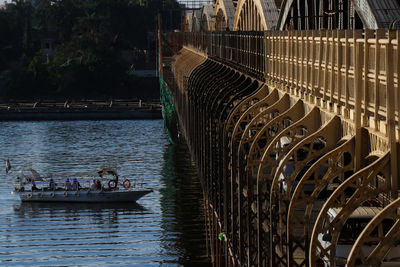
83,196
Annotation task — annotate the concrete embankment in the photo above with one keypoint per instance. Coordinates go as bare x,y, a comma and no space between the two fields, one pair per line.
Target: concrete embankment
80,110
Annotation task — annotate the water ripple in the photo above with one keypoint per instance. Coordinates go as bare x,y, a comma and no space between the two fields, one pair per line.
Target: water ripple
164,228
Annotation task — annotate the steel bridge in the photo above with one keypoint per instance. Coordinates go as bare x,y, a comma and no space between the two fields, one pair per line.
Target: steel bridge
287,125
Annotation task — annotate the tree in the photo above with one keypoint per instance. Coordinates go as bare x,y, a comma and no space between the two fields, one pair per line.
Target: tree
90,38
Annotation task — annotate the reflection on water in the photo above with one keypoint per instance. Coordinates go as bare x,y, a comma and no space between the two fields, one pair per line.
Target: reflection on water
37,209
181,205
164,228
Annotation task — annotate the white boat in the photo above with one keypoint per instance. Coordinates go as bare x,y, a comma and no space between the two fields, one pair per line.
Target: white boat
83,195
57,191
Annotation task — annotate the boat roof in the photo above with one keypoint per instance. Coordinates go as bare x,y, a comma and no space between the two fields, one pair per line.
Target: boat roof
104,171
362,212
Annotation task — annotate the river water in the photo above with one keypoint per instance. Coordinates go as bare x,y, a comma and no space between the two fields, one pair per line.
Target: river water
165,228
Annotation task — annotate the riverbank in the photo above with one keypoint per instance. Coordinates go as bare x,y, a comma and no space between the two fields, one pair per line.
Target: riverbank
116,109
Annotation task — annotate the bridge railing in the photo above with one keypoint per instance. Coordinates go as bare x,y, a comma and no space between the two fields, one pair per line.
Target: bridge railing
347,70
243,50
353,72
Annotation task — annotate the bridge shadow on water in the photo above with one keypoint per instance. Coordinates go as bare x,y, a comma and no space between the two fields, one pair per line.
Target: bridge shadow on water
182,207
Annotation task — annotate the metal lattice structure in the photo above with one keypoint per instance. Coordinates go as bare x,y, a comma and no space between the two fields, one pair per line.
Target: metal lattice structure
288,125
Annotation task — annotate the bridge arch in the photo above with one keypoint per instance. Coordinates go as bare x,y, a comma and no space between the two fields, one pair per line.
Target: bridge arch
206,17
188,22
256,15
337,14
369,184
196,21
224,15
379,233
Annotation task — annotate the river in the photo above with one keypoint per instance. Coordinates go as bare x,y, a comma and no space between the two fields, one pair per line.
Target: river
165,228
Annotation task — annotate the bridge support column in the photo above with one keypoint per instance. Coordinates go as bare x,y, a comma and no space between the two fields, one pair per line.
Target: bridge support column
390,113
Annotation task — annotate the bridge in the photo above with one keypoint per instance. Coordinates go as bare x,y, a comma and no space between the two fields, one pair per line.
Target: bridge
291,109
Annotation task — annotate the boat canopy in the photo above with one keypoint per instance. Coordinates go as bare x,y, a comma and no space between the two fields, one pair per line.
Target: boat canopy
105,171
28,178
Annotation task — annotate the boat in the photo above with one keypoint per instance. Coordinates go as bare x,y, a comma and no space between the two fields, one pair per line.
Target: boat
52,190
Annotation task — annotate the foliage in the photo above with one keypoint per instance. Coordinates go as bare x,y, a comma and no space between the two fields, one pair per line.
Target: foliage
89,35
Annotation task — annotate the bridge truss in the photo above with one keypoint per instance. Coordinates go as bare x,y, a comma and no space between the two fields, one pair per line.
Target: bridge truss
324,103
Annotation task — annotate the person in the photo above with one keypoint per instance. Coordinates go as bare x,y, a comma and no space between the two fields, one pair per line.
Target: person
75,184
34,186
52,185
68,185
93,186
98,183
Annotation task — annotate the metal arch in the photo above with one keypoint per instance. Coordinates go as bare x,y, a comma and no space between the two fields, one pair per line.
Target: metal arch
261,119
280,197
244,113
214,90
219,73
197,73
219,98
244,120
211,86
228,12
207,13
225,98
269,131
385,240
234,101
193,81
185,63
220,21
266,10
368,183
214,95
203,133
310,123
234,117
302,221
245,105
183,77
267,168
224,113
261,141
230,77
250,113
255,124
239,104
219,115
242,8
194,78
362,7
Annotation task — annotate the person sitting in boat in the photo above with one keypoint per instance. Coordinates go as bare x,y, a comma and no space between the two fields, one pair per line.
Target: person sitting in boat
68,185
98,184
75,185
34,186
52,185
93,186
